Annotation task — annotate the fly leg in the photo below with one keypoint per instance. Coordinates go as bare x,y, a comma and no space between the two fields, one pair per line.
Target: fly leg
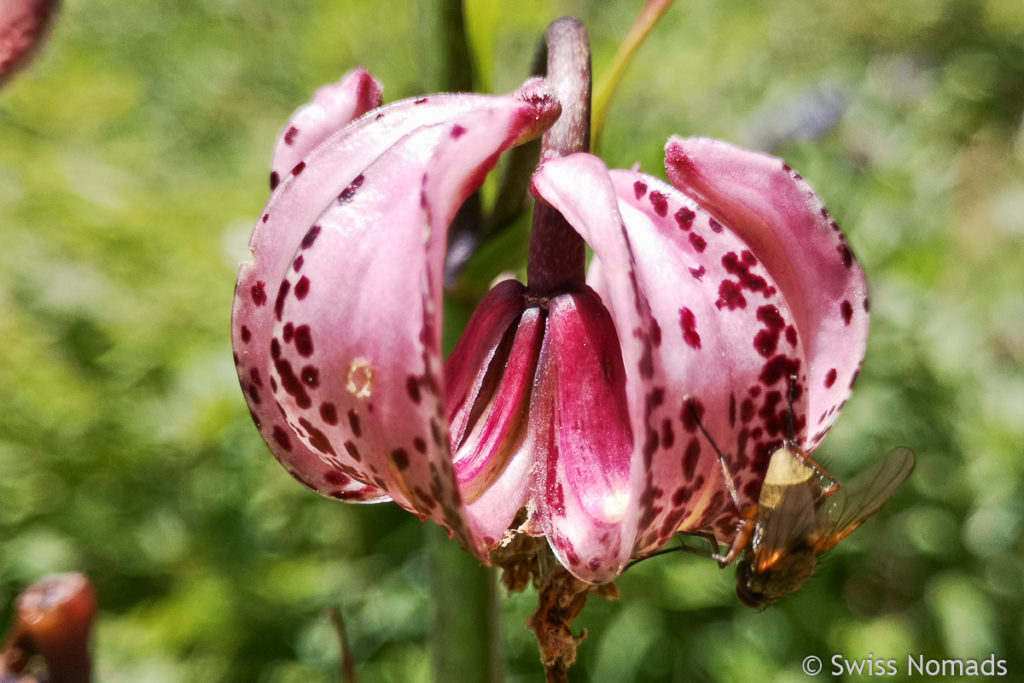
747,514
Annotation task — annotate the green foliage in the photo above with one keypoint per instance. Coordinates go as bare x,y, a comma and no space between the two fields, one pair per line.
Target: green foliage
133,161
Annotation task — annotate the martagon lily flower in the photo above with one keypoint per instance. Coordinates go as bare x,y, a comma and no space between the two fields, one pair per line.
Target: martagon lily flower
569,408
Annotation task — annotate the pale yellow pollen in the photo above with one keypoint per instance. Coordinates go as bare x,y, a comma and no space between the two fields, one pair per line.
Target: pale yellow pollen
615,505
360,378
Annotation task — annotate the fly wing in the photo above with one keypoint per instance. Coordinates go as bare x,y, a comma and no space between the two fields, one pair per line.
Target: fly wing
796,518
862,497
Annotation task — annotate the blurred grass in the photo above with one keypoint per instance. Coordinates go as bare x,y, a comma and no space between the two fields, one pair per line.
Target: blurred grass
133,160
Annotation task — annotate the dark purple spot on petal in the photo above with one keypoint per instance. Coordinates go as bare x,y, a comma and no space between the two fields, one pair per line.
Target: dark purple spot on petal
349,192
299,168
259,293
412,387
684,217
846,308
791,335
281,437
266,217
400,457
310,237
698,273
304,341
335,478
328,413
254,375
715,225
289,135
659,202
302,288
457,131
766,341
845,254
771,317
639,188
688,321
275,180
311,376
830,378
419,444
354,423
353,450
668,436
275,349
317,439
730,296
777,368
698,242
246,334
282,292
740,265
291,384
297,263
288,332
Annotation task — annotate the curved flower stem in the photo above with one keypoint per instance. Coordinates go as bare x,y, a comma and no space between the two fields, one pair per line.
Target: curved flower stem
557,254
646,21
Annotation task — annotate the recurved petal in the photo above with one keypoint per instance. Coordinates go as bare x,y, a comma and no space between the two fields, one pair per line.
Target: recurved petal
726,345
277,244
581,437
355,321
698,318
578,186
786,224
332,108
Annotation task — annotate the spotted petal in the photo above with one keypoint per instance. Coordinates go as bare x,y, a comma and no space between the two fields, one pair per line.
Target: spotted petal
726,345
348,328
787,225
332,107
581,437
707,334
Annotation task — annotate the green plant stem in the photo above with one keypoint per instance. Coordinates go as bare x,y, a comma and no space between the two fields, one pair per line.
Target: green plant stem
466,622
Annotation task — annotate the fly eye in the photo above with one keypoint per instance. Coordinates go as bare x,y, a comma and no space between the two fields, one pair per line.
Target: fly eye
747,595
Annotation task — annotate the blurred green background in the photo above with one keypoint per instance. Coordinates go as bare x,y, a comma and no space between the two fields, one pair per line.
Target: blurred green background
134,160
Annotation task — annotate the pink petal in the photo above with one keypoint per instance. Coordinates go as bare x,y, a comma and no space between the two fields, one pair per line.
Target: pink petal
494,462
726,340
23,24
791,231
490,409
578,186
697,316
468,372
581,437
333,106
350,255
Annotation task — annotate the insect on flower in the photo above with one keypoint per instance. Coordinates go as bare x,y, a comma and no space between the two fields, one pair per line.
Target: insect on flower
801,512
